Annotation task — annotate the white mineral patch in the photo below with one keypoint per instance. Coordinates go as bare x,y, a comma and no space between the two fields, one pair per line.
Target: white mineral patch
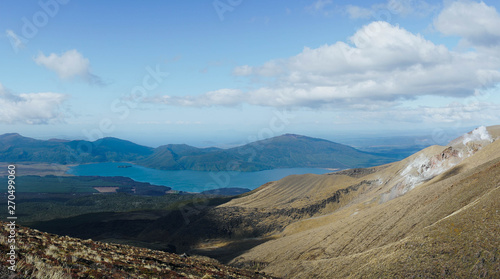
479,134
426,166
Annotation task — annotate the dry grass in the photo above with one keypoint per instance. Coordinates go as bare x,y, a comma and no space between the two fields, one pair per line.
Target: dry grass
447,227
43,255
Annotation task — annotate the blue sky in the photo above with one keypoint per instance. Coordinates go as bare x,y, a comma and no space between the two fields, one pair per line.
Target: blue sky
230,71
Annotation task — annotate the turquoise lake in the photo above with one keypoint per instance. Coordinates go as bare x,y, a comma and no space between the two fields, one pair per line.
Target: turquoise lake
188,180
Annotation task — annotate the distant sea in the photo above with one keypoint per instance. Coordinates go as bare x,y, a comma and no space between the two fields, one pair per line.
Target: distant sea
188,180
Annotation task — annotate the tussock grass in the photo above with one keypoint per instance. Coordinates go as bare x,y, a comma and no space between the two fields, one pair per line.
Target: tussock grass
43,255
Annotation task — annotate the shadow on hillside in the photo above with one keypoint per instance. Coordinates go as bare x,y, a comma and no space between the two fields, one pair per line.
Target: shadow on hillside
175,230
231,250
452,172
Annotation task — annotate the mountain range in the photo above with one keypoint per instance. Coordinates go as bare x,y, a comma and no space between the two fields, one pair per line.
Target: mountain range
16,148
433,214
286,151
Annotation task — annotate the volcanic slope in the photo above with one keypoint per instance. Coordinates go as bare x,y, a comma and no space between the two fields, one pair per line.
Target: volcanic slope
44,255
433,214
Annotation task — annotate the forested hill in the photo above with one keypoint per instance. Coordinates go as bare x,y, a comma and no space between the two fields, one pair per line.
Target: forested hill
286,151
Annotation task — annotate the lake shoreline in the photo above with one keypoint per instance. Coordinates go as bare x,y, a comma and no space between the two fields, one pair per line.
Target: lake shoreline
189,180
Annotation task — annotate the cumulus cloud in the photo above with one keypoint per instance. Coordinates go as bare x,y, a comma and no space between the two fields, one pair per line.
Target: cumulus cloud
477,23
382,63
30,108
69,65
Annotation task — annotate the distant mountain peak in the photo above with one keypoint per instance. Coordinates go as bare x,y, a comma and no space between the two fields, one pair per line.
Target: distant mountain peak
11,135
290,136
58,140
293,136
284,151
14,138
298,137
109,139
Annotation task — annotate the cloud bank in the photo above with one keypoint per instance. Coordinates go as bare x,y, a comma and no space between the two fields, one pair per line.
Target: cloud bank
379,66
477,23
30,108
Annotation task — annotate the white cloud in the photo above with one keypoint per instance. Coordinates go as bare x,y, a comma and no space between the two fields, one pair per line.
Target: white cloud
69,65
268,69
31,108
15,41
477,23
392,7
320,6
406,7
356,12
222,97
383,65
244,70
458,113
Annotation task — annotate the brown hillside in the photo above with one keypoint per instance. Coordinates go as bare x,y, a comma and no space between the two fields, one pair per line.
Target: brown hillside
433,214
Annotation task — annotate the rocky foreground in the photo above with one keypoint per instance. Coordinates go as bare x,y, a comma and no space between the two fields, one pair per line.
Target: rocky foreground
43,255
